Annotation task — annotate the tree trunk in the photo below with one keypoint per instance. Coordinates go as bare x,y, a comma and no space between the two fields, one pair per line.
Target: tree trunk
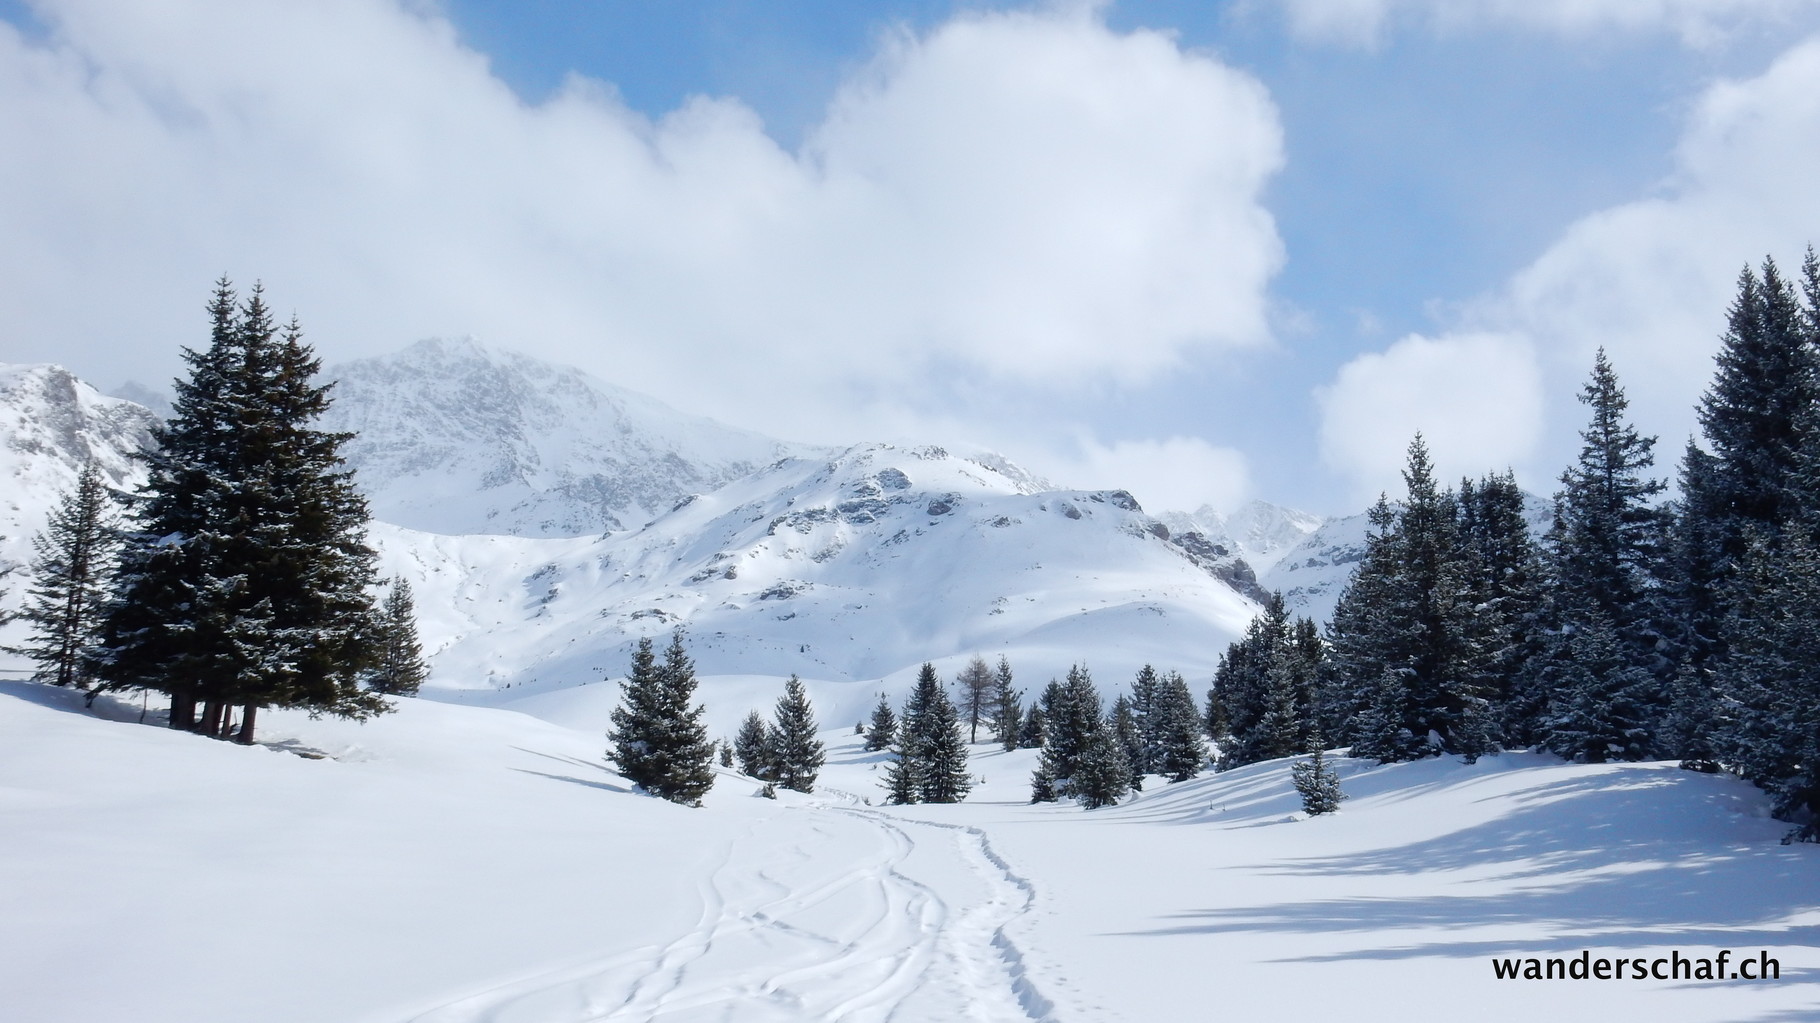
211,719
183,709
245,738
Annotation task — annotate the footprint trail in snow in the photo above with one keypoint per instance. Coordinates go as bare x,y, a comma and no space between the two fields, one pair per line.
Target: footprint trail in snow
850,914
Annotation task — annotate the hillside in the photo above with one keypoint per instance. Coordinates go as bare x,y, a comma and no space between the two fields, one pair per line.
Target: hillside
452,864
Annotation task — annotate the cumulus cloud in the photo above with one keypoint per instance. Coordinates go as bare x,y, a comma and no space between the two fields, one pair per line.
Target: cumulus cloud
1475,398
1649,281
1022,195
1176,474
1696,22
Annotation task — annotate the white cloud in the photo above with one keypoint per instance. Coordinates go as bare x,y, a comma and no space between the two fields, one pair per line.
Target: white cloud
1649,281
1177,474
1475,398
1696,22
1027,196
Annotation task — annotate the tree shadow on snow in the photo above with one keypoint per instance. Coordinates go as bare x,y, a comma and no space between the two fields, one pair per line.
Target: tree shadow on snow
1651,858
106,706
568,761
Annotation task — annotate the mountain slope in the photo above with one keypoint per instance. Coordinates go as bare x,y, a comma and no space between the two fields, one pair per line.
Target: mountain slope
453,437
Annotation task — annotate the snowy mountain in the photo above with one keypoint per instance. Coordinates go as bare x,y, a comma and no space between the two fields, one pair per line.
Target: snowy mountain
50,424
1313,572
854,567
457,438
1259,532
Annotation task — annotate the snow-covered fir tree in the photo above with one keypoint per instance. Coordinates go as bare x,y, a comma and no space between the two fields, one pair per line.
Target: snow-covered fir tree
1181,749
400,670
1317,782
752,746
1072,719
1264,689
659,741
72,572
796,754
1122,722
883,731
245,582
933,726
1007,706
1033,731
1102,776
903,780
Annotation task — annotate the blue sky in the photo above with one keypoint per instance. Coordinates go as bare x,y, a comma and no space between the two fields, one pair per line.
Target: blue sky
1394,214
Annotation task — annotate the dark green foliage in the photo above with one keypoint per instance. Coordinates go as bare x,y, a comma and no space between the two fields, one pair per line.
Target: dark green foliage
931,762
1146,718
796,753
1181,751
1033,733
1600,702
1007,707
72,571
1122,722
726,754
659,741
1689,731
1072,713
246,580
1103,775
884,726
1264,690
1317,782
752,745
400,671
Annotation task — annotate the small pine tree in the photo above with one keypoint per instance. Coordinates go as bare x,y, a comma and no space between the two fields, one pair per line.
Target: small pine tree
1033,733
71,576
1317,782
660,743
1122,720
400,671
726,753
1181,751
884,727
795,751
1007,706
943,753
904,773
1102,775
752,745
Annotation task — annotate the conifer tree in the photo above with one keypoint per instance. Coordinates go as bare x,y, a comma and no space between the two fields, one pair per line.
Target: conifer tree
884,726
1601,705
246,580
726,753
659,741
795,750
752,745
71,575
904,772
1145,713
401,670
1102,776
1181,752
1122,722
934,725
1007,704
1072,716
1033,733
1317,782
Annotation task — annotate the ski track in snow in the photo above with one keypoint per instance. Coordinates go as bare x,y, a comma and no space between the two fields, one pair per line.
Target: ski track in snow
861,917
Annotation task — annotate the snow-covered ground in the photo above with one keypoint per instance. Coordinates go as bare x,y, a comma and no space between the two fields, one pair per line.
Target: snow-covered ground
454,863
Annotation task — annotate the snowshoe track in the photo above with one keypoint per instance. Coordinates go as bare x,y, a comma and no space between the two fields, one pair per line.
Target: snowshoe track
861,916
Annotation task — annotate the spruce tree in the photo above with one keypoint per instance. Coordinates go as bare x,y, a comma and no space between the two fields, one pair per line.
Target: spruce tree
1601,705
795,749
904,772
884,726
1033,733
400,670
1007,704
246,580
659,741
1317,782
1181,751
1122,721
752,745
1102,776
71,575
1072,716
937,747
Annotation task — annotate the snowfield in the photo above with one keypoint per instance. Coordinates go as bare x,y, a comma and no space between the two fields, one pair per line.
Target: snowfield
452,863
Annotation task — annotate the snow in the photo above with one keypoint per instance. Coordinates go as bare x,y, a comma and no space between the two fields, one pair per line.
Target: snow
455,864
